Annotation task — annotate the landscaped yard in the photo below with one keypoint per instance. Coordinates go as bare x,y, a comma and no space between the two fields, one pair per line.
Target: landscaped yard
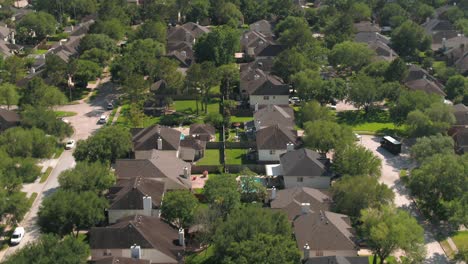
122,120
212,157
241,119
64,113
237,156
374,122
461,239
190,106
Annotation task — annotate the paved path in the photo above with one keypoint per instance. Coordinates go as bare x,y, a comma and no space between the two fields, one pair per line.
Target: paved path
117,114
391,166
85,123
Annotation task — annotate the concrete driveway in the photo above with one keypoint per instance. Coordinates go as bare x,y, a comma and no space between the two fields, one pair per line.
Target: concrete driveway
85,123
391,166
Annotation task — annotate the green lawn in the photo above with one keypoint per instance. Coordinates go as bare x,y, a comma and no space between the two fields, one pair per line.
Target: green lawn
461,239
374,122
40,51
189,106
122,120
64,113
236,156
212,157
46,174
241,119
203,257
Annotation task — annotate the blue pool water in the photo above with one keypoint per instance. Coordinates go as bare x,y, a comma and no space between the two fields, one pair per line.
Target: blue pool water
182,136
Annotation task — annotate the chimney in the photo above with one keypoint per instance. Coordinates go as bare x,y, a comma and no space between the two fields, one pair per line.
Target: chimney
256,107
183,54
186,173
256,77
444,43
147,205
181,237
273,193
159,143
306,251
13,40
289,147
257,124
428,19
135,251
33,70
305,207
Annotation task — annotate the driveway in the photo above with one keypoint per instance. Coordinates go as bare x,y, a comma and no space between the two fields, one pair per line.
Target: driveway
85,123
391,166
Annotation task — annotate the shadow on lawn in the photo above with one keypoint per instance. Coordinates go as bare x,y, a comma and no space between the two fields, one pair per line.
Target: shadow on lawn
357,117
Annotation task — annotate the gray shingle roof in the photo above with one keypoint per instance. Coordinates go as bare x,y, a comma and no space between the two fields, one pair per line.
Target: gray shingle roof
146,138
127,194
275,137
9,116
366,26
145,231
303,162
263,26
337,260
257,82
271,115
119,260
201,129
461,114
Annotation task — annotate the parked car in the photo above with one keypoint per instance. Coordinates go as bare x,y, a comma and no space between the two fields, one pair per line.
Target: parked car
358,137
295,101
110,106
70,144
17,235
102,119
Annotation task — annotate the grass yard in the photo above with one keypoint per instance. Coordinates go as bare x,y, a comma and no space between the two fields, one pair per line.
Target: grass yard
375,122
45,175
123,120
189,106
445,245
237,157
212,157
64,113
461,239
40,51
203,257
241,119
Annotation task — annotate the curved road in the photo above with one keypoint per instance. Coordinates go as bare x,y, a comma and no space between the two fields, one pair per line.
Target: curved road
85,123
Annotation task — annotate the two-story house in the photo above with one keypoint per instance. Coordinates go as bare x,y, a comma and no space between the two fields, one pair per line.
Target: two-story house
273,141
263,89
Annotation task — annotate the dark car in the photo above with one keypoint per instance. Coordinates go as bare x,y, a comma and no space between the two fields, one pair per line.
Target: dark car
110,106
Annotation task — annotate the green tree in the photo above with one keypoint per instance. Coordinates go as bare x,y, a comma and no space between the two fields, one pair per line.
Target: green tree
86,71
409,101
201,78
350,55
35,26
252,190
409,38
435,119
135,87
199,10
222,194
96,55
323,135
441,184
355,160
52,249
353,194
56,70
218,46
39,94
313,111
376,69
388,229
112,28
46,120
427,147
364,91
265,226
456,87
462,25
64,212
229,14
20,142
153,29
230,77
216,119
16,205
14,69
166,69
179,207
338,29
8,95
390,12
397,71
361,11
288,63
99,41
95,177
294,32
108,144
62,8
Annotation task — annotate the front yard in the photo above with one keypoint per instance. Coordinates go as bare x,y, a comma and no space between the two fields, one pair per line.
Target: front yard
374,122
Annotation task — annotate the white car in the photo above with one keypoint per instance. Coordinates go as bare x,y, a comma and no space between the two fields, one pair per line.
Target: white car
70,144
17,235
358,137
65,120
103,119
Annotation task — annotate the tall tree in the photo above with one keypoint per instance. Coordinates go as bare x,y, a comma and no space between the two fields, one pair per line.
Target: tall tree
136,88
350,54
201,78
427,147
153,29
356,160
313,111
218,46
409,38
294,32
221,192
397,71
229,75
438,118
456,87
409,101
364,91
95,177
323,135
35,26
179,207
288,63
56,70
8,95
39,94
353,194
45,119
388,229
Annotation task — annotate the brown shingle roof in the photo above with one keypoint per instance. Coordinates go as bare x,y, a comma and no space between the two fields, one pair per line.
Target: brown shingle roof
303,162
271,115
366,26
461,140
145,231
146,138
263,26
337,260
127,194
425,85
200,129
275,137
257,82
461,114
119,260
9,116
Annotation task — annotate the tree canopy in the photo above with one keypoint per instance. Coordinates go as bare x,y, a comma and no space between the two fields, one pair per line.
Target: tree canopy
218,46
409,38
95,177
356,160
427,147
350,54
222,193
323,135
179,207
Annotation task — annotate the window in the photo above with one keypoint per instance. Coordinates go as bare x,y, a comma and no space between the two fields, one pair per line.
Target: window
266,97
300,179
272,152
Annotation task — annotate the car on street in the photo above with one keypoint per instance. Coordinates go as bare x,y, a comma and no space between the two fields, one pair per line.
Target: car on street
17,235
110,106
70,144
357,136
102,119
66,121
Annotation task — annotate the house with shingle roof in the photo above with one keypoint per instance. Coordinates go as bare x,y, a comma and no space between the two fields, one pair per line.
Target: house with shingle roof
419,79
337,260
377,42
136,195
119,260
440,30
264,27
273,141
161,166
304,168
366,26
273,115
255,44
140,237
289,200
459,131
8,119
461,140
204,132
263,89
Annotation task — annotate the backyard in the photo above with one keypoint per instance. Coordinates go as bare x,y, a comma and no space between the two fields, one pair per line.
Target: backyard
212,157
374,122
237,157
190,106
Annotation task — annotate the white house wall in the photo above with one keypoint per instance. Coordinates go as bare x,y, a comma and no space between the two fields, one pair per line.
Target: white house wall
265,154
317,182
272,100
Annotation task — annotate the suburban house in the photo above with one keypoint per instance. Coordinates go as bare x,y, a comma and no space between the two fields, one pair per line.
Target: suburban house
366,26
323,233
263,89
377,42
192,149
120,260
273,141
8,119
138,195
462,64
461,140
290,200
303,168
440,31
139,237
337,260
273,115
264,27
162,166
456,53
180,41
460,111
419,79
206,132
459,131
